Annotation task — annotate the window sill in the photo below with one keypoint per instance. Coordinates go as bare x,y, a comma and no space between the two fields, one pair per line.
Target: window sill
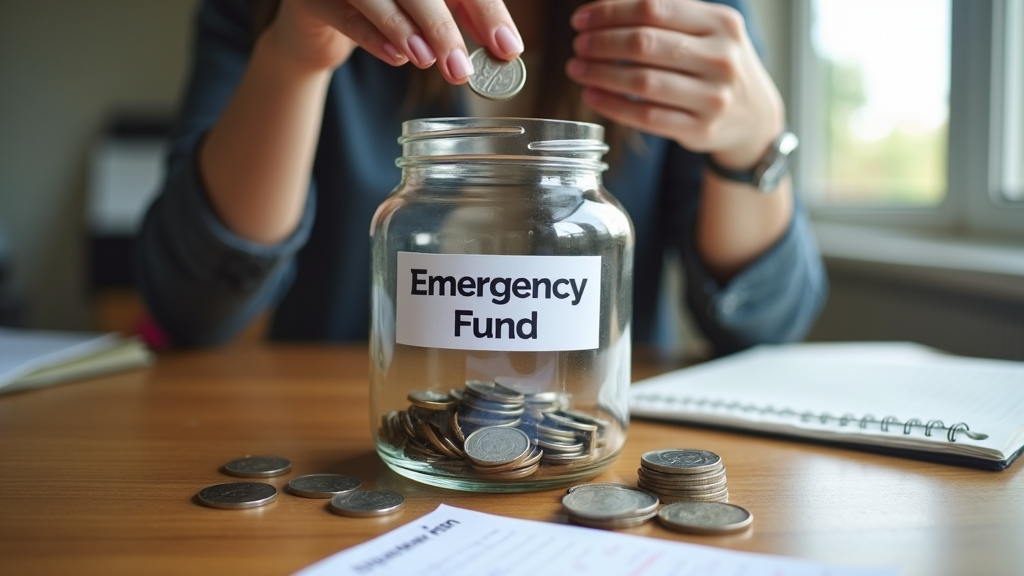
965,265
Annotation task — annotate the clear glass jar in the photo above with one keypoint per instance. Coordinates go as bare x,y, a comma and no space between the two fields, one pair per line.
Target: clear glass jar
501,307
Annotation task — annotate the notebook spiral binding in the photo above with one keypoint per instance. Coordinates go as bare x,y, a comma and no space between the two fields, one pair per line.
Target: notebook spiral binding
863,422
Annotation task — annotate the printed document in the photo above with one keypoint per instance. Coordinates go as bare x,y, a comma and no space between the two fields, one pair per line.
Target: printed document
456,542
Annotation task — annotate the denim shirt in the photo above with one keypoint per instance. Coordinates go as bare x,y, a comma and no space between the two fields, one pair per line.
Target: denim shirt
203,284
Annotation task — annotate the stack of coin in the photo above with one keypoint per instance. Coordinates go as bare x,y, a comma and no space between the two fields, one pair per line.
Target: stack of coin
678,475
436,426
489,404
609,506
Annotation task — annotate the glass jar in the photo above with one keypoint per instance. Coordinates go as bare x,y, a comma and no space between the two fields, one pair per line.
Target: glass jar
501,307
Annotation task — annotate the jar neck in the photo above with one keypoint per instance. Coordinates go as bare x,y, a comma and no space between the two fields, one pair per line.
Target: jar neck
499,174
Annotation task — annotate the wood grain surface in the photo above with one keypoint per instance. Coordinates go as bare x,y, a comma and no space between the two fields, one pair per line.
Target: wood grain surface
99,477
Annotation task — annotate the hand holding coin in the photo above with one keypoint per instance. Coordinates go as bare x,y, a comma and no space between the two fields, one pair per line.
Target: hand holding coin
323,33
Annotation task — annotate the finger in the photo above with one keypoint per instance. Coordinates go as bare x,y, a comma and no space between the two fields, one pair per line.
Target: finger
692,17
442,34
651,46
350,22
392,21
497,31
467,26
650,84
671,123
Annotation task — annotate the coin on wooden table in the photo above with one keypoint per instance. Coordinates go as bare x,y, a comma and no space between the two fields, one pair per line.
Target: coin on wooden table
236,495
705,517
258,466
681,461
496,79
495,445
609,506
322,485
367,503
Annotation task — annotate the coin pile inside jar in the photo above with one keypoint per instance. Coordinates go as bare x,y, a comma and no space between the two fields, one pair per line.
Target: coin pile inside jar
492,431
678,475
609,506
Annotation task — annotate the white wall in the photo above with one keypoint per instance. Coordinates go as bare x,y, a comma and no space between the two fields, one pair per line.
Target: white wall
65,66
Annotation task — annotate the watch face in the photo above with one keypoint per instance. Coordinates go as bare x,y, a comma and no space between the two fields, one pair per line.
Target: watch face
769,181
776,163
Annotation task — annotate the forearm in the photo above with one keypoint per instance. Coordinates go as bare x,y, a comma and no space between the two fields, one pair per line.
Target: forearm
256,161
736,223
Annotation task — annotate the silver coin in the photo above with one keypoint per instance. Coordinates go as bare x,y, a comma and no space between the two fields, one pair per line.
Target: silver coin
615,523
705,517
496,445
258,466
715,494
681,461
703,477
596,486
430,400
494,78
235,495
367,503
602,504
322,485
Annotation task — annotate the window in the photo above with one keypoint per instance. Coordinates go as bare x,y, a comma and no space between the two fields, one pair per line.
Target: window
884,93
911,113
1008,102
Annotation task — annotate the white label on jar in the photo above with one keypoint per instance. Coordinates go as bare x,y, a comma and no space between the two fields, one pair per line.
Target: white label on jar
509,303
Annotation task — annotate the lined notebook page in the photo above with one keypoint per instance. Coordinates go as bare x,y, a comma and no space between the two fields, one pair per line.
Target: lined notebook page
843,392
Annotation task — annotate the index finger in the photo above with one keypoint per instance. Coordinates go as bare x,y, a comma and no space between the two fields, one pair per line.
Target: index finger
692,17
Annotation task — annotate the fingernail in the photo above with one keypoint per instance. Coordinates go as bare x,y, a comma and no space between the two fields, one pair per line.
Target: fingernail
393,53
577,68
459,65
422,55
508,41
580,19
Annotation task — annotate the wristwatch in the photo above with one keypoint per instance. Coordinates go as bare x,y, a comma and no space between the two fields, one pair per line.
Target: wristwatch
765,176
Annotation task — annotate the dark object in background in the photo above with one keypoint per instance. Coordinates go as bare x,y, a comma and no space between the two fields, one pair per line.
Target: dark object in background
125,173
12,312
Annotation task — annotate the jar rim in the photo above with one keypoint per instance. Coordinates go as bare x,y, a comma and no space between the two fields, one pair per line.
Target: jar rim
520,140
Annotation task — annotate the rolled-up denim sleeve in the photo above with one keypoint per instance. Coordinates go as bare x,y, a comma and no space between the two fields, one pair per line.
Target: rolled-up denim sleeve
774,299
201,282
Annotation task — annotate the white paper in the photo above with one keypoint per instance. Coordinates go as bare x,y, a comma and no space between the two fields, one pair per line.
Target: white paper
500,303
455,542
25,351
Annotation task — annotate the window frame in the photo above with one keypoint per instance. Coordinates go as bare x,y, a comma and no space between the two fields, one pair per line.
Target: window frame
973,204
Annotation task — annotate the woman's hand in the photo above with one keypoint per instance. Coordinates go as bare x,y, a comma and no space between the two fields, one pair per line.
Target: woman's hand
681,69
321,34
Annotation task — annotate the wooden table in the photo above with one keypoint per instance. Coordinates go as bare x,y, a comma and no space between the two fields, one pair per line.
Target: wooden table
98,477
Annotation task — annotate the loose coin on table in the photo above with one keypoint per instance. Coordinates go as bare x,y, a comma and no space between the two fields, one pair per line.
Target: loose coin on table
705,517
609,506
236,495
258,466
322,485
367,503
496,79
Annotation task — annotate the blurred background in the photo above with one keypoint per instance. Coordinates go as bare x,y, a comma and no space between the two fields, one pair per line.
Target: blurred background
910,114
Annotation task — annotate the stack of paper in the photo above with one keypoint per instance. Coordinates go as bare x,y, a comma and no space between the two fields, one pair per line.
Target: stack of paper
33,358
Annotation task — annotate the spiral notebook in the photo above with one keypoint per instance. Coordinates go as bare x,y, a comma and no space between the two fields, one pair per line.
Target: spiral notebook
892,397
